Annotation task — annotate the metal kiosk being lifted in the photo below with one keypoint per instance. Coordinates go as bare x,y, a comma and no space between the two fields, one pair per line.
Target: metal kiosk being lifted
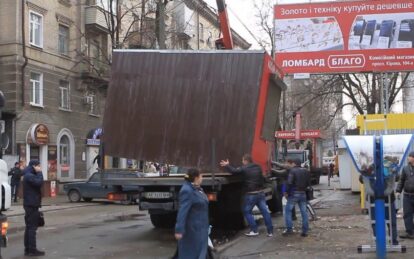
379,159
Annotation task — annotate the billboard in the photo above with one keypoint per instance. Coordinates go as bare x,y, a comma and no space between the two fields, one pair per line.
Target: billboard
340,37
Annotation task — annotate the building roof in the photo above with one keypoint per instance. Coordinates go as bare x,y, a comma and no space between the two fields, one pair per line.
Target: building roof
180,106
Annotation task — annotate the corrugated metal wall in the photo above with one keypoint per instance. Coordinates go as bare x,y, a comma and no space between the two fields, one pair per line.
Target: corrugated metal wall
170,106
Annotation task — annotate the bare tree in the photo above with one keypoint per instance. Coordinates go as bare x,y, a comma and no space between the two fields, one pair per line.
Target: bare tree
264,16
362,92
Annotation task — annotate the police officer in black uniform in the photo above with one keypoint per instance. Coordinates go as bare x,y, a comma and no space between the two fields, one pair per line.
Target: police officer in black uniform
32,185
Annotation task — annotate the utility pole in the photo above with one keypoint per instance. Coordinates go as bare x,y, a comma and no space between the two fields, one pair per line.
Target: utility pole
384,83
386,95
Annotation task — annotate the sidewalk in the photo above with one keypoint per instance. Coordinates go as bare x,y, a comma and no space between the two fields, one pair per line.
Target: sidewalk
60,202
15,214
339,230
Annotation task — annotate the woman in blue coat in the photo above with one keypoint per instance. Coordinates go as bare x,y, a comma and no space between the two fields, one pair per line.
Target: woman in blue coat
191,229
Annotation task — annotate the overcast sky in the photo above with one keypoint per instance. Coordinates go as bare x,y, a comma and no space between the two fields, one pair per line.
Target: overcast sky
246,12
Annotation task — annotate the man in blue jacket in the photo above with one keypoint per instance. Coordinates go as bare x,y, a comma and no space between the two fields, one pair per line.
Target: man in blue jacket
32,185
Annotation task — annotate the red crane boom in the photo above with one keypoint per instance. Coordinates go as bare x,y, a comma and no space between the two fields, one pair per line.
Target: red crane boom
226,42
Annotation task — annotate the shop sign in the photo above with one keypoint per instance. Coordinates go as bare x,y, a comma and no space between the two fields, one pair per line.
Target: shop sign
93,137
39,134
285,134
93,142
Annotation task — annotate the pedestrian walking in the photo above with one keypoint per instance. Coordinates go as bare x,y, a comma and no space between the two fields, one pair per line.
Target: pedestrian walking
97,160
298,182
32,185
254,185
406,184
331,170
191,229
16,175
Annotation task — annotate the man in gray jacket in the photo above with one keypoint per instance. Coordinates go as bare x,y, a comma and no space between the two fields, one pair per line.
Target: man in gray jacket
406,184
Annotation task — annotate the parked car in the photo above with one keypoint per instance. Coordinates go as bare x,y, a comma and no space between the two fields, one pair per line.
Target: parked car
91,189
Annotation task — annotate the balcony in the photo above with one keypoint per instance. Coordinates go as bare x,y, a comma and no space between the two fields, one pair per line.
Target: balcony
184,22
95,72
95,19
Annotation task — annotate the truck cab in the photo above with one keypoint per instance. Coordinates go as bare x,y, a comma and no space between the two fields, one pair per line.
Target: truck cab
303,155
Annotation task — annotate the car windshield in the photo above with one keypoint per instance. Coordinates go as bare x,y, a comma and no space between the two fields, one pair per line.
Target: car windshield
294,156
95,178
178,170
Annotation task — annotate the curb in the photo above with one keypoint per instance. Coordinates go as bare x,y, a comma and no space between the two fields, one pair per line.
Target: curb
219,249
49,210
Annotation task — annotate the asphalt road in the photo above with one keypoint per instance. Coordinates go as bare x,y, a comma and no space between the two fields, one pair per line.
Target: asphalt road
101,230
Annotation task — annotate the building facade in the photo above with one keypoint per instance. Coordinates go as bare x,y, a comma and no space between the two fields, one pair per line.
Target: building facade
189,24
54,78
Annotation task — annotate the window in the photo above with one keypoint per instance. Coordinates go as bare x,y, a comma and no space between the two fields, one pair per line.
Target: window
64,155
36,85
201,32
93,104
36,29
63,40
64,95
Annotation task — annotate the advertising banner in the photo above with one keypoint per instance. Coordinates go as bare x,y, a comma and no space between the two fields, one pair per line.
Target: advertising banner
341,37
286,134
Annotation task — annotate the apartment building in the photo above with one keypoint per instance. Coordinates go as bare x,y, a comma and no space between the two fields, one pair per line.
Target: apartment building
195,25
189,24
54,75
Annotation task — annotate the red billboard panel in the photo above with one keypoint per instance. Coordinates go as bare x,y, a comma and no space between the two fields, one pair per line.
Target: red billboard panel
336,37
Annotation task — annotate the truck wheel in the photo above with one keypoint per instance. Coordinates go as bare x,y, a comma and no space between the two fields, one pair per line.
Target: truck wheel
74,196
87,199
163,220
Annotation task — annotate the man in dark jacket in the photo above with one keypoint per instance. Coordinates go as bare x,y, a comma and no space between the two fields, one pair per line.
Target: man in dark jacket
298,182
32,185
406,184
253,186
16,175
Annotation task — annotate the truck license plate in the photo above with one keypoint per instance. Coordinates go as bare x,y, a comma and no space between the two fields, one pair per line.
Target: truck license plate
157,195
